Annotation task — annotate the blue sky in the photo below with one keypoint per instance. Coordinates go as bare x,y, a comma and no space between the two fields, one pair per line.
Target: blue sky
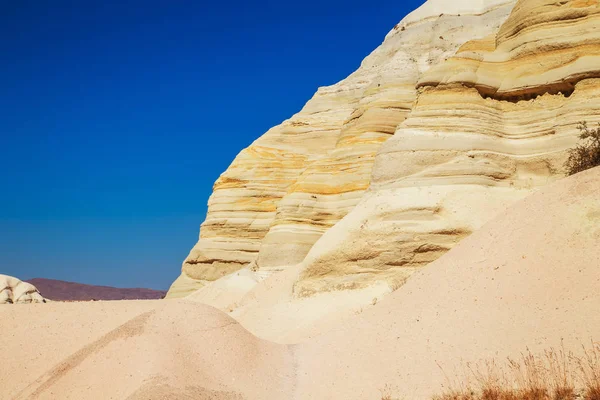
116,117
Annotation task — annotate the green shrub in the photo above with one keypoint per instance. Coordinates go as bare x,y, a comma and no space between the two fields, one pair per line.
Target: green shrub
586,154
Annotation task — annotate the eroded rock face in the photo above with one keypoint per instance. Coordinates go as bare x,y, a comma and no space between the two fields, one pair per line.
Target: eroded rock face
300,178
14,291
490,125
544,47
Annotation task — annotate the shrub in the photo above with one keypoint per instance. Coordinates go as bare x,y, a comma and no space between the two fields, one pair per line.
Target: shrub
586,154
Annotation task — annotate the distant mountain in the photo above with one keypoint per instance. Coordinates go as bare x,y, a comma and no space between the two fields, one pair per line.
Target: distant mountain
72,291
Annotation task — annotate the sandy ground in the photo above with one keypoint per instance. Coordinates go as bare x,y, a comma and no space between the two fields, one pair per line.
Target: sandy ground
271,311
136,350
527,279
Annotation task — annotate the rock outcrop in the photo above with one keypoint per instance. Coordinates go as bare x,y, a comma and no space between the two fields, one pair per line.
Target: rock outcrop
14,291
490,125
477,138
484,131
300,178
483,103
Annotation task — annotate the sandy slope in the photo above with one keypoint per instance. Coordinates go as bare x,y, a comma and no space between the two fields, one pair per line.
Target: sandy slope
136,350
272,312
526,279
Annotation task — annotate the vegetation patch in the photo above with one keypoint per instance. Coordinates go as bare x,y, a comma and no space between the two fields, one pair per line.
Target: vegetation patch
553,375
586,154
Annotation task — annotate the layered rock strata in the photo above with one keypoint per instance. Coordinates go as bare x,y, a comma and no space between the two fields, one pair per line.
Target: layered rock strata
491,124
14,291
300,178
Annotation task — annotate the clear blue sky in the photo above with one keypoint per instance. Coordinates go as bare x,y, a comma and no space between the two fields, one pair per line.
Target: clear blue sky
116,117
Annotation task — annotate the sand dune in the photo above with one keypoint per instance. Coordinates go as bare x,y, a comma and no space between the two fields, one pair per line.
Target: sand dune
529,278
137,350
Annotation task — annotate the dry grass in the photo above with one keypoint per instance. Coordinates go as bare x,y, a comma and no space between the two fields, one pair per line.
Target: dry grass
589,370
386,393
553,375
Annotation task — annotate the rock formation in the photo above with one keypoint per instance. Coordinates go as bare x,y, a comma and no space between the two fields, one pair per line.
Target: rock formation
14,291
300,178
482,106
492,274
490,124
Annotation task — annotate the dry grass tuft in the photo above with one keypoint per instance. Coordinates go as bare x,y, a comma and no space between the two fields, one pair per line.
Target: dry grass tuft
554,375
589,370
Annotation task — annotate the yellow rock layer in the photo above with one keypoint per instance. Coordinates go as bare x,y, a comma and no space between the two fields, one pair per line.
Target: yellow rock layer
300,178
490,125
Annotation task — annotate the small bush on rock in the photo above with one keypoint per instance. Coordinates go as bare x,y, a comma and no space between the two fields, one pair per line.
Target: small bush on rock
586,154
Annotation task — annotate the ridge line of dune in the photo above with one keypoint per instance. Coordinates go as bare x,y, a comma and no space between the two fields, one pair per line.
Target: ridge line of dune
133,327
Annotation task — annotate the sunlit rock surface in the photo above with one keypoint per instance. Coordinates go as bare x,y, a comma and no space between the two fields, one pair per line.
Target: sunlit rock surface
14,291
490,125
300,178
